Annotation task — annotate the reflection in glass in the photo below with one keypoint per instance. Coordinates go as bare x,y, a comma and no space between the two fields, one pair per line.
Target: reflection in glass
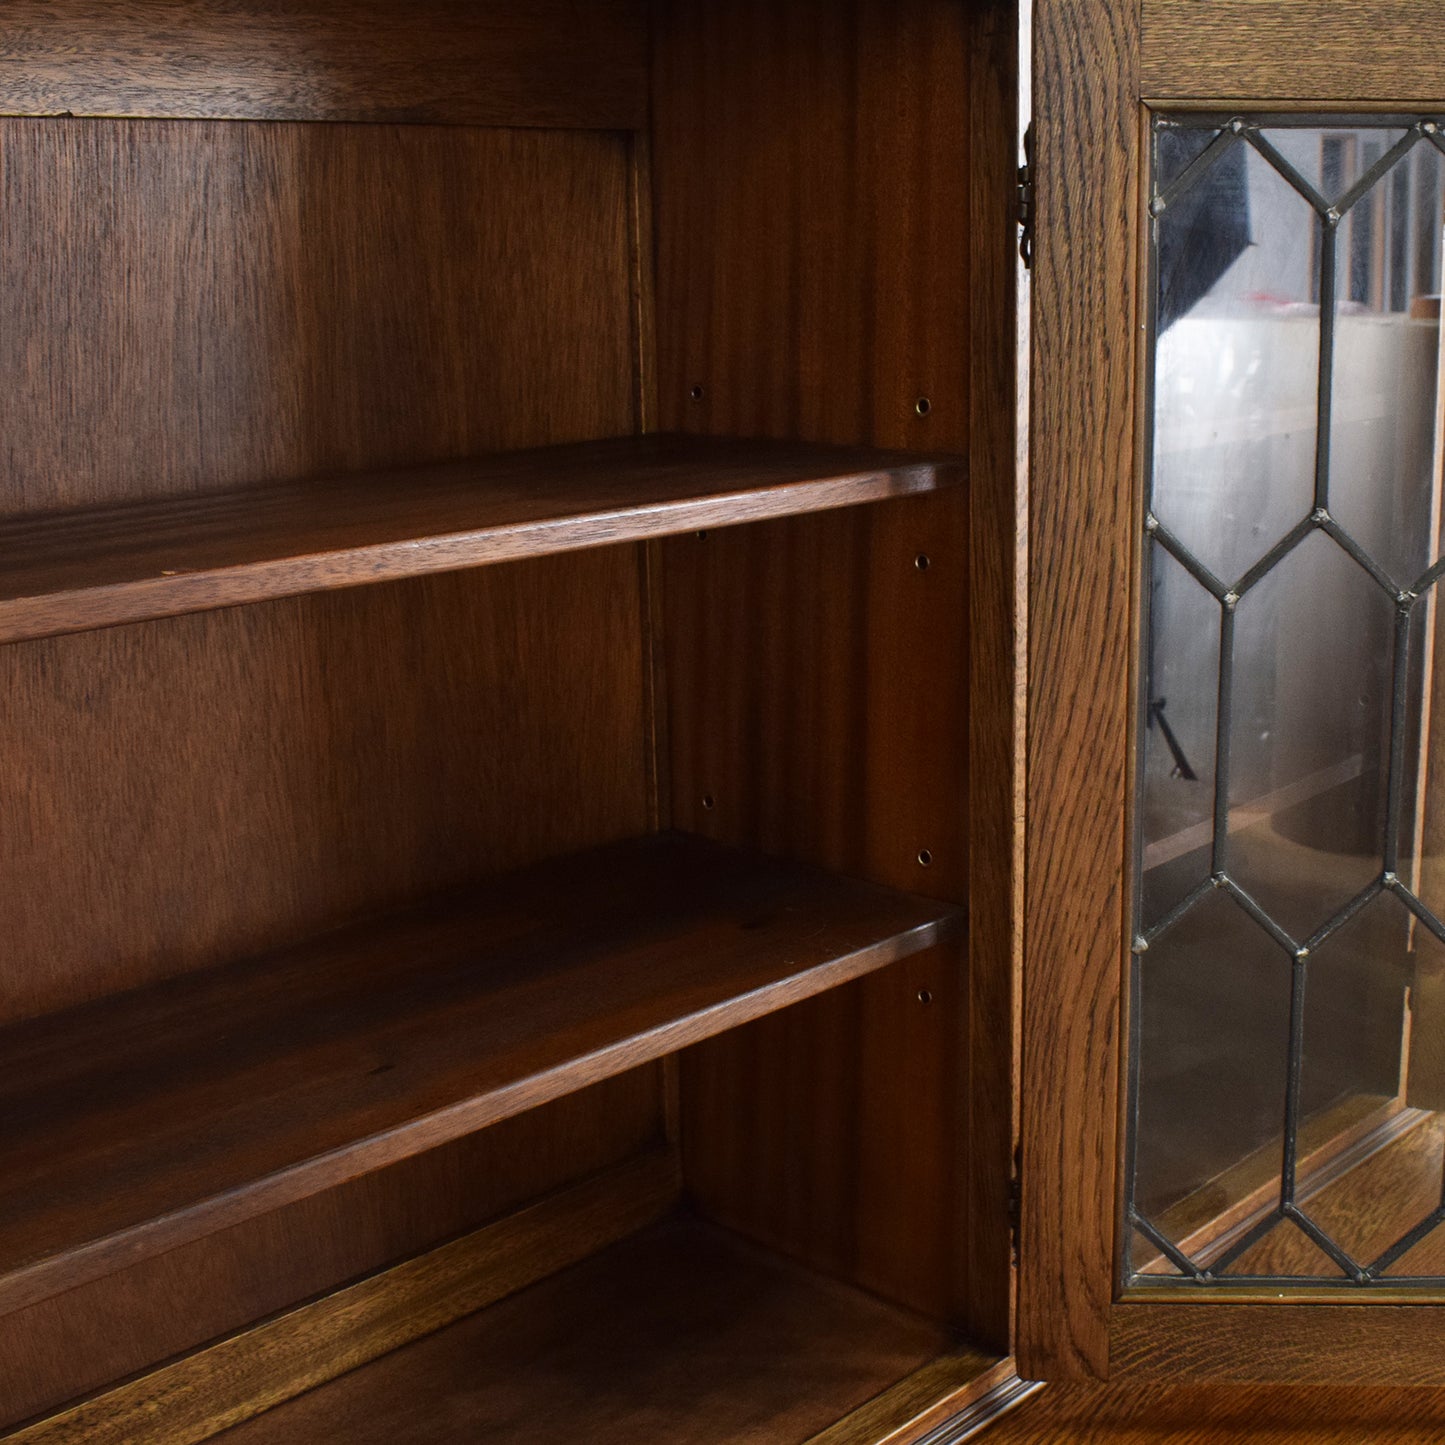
1288,1022
1176,782
1308,735
1236,366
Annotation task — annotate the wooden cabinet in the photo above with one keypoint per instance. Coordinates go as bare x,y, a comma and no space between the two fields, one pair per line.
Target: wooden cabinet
507,584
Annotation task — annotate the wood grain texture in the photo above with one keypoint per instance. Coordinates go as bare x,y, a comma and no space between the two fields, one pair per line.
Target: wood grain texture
1204,1415
95,568
1080,584
942,1389
1317,1344
681,1334
74,1344
191,307
1274,50
194,791
831,1131
811,175
830,725
197,1397
544,63
811,169
141,1122
996,677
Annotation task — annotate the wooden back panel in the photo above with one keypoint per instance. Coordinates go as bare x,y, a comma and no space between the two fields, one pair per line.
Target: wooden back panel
201,789
192,306
196,305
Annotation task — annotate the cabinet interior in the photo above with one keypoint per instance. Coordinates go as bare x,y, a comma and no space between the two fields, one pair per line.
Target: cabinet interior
488,608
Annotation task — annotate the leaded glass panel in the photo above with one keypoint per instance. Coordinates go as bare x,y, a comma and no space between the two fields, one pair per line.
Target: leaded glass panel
1287,1049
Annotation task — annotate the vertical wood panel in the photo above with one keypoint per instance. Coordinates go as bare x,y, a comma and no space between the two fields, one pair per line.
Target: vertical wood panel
811,167
829,723
1081,508
996,674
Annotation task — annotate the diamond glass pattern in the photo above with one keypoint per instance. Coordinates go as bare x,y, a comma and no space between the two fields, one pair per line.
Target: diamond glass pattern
1287,1048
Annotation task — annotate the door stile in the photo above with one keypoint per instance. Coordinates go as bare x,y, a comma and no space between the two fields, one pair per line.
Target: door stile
1082,444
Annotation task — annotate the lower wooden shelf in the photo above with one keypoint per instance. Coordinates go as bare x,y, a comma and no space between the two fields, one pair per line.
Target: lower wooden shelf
682,1333
134,1124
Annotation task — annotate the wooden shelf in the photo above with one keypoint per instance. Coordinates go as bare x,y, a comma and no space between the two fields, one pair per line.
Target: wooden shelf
69,572
137,1123
682,1333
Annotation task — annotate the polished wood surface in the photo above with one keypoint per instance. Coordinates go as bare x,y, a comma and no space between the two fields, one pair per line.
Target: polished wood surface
196,1397
1267,1340
943,1389
192,307
682,1334
1293,50
1202,1415
814,238
94,568
207,788
74,1344
1079,617
143,1121
541,63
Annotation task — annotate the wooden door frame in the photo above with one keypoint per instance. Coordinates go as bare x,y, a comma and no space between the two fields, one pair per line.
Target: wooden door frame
1098,67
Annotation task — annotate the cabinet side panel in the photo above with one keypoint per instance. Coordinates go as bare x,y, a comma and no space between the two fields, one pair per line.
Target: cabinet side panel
494,62
89,1337
810,166
187,307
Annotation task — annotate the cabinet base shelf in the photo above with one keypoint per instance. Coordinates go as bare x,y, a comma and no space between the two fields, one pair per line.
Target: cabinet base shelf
682,1333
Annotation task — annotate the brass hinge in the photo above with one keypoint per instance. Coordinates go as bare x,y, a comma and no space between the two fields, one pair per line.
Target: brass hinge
1025,203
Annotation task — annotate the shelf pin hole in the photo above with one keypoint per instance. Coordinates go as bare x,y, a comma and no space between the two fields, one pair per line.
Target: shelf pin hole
922,561
709,802
925,857
923,406
697,393
925,996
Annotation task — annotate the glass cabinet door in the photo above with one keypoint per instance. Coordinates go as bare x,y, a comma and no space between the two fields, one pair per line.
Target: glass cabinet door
1231,1156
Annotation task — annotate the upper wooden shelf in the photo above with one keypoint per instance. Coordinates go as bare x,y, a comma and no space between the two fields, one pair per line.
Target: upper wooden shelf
134,1124
72,571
